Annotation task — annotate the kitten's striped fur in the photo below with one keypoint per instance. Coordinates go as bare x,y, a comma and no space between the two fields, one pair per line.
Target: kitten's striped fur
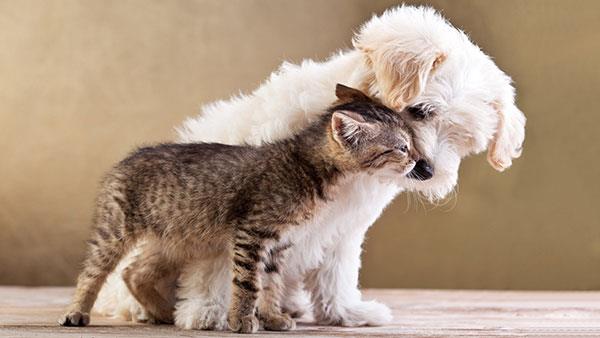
191,198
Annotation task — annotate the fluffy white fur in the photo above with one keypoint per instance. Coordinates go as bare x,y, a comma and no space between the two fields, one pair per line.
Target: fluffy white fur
408,55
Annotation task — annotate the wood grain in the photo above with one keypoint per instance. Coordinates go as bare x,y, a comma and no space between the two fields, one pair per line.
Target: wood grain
32,312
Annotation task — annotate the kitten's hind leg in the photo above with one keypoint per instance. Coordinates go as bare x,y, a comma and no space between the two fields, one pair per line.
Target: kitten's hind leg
108,244
141,277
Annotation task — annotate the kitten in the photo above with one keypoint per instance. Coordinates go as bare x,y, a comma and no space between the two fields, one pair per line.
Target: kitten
189,199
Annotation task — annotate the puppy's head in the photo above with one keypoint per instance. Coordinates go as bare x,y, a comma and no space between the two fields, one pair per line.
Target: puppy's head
369,136
453,96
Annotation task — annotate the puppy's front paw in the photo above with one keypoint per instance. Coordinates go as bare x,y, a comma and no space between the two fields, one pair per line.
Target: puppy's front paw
196,315
282,322
296,304
245,324
74,318
370,313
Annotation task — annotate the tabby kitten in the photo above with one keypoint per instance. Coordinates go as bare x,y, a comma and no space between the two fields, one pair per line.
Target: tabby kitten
190,198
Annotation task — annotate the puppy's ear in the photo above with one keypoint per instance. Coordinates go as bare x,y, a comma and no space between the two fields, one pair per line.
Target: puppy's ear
345,93
507,142
399,75
349,128
402,76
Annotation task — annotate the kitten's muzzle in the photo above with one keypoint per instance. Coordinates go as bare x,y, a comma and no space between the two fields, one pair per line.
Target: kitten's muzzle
422,171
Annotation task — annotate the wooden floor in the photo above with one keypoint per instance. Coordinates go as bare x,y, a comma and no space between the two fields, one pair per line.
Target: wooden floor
32,312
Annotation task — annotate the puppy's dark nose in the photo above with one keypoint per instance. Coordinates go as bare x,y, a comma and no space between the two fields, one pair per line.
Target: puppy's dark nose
422,171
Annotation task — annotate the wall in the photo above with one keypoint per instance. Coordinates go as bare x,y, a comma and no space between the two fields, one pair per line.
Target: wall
84,82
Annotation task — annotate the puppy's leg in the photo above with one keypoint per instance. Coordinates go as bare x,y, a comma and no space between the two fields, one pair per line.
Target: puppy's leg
142,276
204,291
334,288
269,303
295,300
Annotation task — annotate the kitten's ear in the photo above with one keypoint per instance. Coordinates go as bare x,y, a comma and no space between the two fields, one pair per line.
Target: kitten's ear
345,93
350,128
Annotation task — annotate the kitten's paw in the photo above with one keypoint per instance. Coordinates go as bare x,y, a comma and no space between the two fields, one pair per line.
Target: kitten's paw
74,318
245,324
369,313
142,316
294,313
200,316
279,323
147,319
153,320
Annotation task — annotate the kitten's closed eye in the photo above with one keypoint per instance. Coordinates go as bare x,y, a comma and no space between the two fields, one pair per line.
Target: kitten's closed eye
403,148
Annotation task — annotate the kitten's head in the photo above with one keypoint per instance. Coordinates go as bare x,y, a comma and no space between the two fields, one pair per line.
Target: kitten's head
369,136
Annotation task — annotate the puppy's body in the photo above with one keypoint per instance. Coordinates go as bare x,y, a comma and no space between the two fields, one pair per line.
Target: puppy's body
186,198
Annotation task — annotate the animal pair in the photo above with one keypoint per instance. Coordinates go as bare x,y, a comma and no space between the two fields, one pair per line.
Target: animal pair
187,199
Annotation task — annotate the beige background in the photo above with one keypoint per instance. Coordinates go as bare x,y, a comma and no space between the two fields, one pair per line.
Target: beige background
83,82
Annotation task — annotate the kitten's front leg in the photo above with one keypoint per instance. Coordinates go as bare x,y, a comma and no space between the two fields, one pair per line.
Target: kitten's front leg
334,288
269,303
246,254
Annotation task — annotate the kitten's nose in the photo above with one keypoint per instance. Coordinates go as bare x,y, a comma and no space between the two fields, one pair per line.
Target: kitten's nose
422,171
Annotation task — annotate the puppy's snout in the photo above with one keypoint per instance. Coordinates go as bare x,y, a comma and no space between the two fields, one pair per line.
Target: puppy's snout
422,171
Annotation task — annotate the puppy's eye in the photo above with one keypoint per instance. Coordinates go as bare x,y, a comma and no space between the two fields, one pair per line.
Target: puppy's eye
419,112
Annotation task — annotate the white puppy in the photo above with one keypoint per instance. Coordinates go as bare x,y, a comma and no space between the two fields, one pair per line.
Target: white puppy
454,97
